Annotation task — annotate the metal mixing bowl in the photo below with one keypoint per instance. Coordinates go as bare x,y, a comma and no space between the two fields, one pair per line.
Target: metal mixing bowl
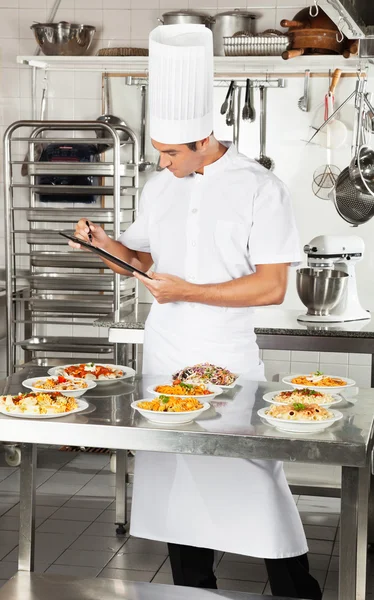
320,290
63,39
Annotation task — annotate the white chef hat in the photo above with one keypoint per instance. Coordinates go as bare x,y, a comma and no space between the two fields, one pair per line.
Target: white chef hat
181,73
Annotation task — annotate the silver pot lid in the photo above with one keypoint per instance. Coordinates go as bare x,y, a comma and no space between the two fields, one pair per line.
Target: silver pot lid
237,13
185,13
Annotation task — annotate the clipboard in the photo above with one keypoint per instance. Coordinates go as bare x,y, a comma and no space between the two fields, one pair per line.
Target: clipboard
105,254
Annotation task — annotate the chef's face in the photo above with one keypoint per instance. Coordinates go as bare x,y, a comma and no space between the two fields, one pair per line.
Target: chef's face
180,159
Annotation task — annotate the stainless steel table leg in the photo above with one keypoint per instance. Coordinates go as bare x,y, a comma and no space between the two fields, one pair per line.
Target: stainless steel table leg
26,550
353,533
371,514
121,491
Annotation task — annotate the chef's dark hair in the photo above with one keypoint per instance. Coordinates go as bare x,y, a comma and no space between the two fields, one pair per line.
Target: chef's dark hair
192,145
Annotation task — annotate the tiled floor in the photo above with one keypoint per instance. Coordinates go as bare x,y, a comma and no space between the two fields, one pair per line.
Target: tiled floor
76,533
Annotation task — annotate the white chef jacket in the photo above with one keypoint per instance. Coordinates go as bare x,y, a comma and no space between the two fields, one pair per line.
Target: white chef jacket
213,228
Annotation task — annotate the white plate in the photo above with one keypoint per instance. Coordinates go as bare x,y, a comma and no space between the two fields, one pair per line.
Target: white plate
300,426
223,387
215,389
29,383
127,372
338,388
270,395
82,405
169,418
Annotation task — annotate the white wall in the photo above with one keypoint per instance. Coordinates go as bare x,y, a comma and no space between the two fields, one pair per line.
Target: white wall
78,95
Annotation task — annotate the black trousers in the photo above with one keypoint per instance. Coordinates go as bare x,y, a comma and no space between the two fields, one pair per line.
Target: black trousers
289,577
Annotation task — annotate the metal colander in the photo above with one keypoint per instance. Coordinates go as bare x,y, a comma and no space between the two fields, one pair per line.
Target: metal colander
352,205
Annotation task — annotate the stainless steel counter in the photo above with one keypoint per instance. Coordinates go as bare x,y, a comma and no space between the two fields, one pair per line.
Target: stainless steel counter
28,586
230,428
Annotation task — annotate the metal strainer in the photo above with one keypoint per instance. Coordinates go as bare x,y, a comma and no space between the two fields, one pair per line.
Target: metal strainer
352,205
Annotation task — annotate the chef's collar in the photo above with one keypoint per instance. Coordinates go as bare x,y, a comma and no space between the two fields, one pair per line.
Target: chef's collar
222,162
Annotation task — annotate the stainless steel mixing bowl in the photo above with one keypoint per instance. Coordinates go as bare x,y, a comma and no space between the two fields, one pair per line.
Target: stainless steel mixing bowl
63,39
320,290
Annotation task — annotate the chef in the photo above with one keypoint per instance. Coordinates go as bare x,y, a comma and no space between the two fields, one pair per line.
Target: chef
220,232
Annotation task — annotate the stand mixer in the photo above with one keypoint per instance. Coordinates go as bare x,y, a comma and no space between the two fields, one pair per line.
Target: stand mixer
328,287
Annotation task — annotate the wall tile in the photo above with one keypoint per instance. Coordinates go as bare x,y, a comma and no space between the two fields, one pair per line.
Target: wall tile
32,4
303,367
116,23
301,356
9,83
334,369
90,4
65,3
202,4
117,4
9,23
359,359
261,4
142,23
87,109
361,375
276,355
339,358
9,3
9,49
140,4
92,17
276,370
61,84
266,19
222,4
87,85
27,16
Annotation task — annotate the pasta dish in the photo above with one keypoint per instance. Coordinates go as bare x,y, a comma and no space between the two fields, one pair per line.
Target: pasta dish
183,389
318,380
299,412
305,396
206,373
166,404
60,383
36,403
92,371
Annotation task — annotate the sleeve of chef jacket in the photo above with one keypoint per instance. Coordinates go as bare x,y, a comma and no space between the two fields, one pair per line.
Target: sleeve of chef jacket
136,236
273,237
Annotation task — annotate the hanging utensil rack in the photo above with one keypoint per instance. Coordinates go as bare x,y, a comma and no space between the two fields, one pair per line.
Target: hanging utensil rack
47,283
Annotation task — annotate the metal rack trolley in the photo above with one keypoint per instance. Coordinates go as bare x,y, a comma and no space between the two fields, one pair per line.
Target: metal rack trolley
34,289
50,287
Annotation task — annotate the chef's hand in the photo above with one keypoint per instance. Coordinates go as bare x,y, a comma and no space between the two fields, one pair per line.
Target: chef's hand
166,288
98,236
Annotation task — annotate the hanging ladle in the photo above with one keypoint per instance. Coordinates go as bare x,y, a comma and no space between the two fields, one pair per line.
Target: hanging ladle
110,119
144,165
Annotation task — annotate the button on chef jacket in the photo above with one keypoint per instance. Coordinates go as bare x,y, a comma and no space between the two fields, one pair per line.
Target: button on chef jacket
209,229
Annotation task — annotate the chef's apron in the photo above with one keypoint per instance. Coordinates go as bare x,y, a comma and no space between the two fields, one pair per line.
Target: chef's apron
228,504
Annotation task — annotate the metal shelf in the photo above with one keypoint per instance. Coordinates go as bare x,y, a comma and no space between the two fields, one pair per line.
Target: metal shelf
223,65
75,190
102,169
77,281
74,259
77,304
66,344
61,215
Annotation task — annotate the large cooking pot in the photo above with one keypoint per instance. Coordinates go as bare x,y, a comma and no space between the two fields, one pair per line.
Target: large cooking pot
185,17
227,24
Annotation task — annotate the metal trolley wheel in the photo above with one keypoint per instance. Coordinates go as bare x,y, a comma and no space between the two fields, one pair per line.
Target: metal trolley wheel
12,455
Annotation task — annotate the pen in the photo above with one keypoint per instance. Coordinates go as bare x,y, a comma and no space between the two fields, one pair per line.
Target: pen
89,232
